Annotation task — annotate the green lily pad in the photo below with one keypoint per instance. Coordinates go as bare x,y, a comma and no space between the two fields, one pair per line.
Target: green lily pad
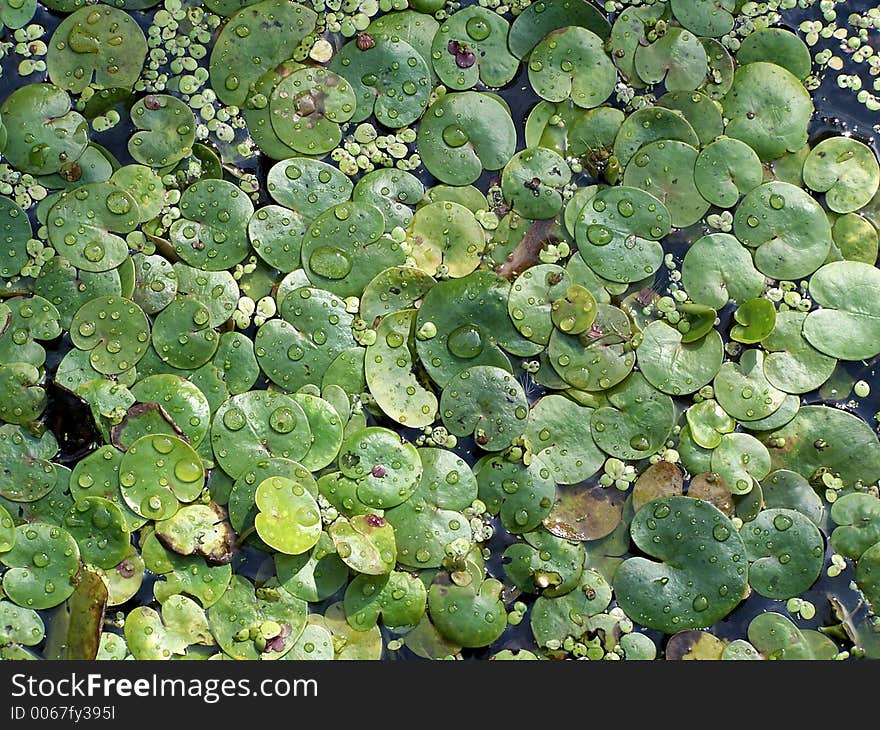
182,624
652,124
179,574
702,112
15,232
845,170
666,170
84,222
288,519
394,290
755,320
42,133
638,421
708,422
242,611
786,552
390,79
677,58
242,496
705,17
522,494
821,436
102,47
675,367
349,644
365,543
792,363
557,618
252,426
181,400
100,530
769,109
346,246
469,316
471,46
786,489
534,23
531,299
114,331
431,519
787,228
212,231
847,325
487,402
571,63
629,32
599,358
702,576
779,46
741,461
391,191
168,130
244,51
857,517
618,233
478,618
556,434
315,575
388,369
544,564
725,170
775,637
20,625
307,107
717,268
306,186
464,133
399,598
533,182
446,235
856,238
41,566
387,469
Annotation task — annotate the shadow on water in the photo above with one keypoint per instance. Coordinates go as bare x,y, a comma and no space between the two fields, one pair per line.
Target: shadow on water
836,112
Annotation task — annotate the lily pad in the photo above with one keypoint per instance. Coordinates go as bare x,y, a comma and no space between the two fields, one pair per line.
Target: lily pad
390,79
487,402
252,426
471,46
847,325
702,576
212,231
103,48
787,228
479,617
534,23
431,518
523,495
41,566
637,422
464,133
675,367
769,109
786,552
168,130
244,51
571,63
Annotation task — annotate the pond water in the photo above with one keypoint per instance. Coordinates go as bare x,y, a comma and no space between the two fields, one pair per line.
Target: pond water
837,113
